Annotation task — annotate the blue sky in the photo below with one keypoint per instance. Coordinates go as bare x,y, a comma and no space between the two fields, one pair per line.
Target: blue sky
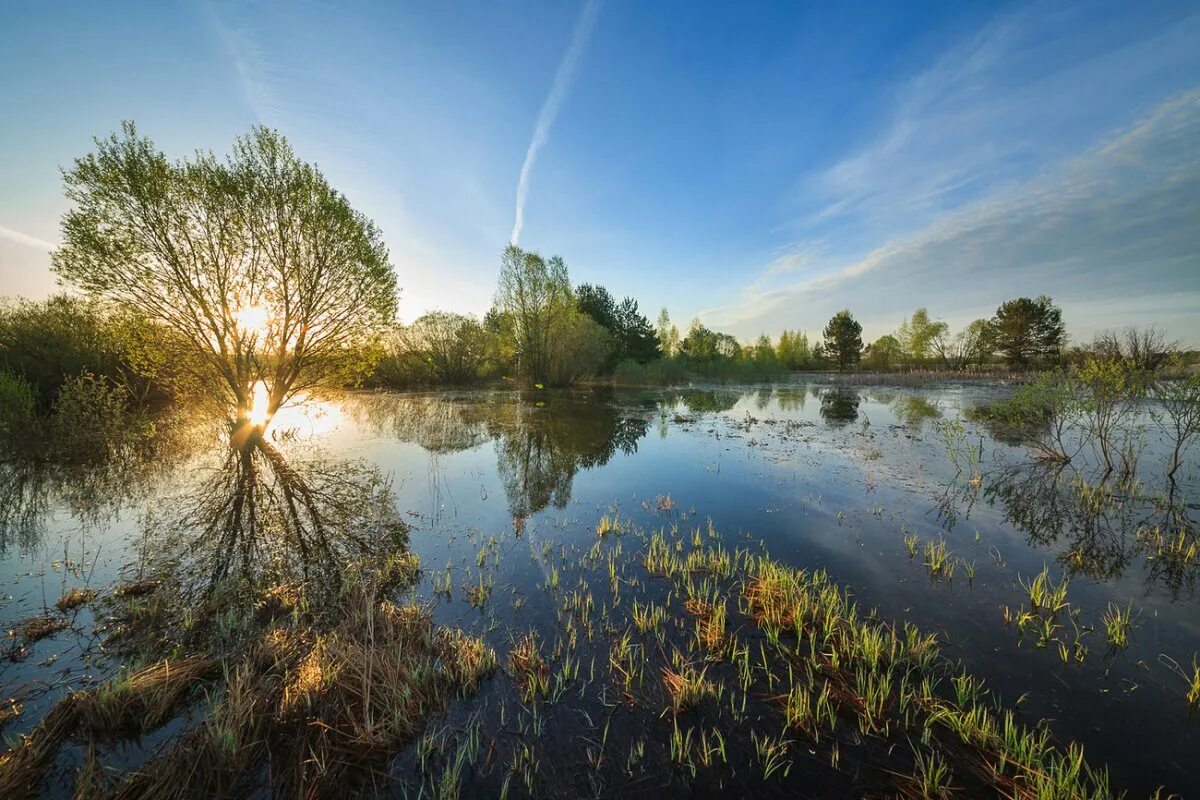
760,165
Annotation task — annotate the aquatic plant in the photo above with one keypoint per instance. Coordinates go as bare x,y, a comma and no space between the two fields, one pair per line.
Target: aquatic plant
1044,593
1117,624
687,685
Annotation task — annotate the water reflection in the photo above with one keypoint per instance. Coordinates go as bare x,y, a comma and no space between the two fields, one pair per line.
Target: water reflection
1101,528
839,406
542,440
92,493
255,517
914,410
540,447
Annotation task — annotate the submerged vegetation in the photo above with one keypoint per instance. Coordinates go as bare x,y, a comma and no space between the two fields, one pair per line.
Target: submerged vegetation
326,691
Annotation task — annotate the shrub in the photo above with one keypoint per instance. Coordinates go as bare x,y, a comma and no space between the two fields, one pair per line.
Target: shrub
662,372
90,419
17,403
1044,413
49,343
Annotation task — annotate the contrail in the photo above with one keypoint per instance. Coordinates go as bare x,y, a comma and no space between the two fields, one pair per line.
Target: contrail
24,238
558,91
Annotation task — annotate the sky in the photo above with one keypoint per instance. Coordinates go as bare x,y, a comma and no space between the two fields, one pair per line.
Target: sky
758,165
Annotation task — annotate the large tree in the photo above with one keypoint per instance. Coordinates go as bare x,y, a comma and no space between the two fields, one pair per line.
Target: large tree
884,352
1024,330
703,344
554,342
273,281
918,335
967,347
843,339
630,334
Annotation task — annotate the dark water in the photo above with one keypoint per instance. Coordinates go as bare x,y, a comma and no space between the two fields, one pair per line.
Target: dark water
504,491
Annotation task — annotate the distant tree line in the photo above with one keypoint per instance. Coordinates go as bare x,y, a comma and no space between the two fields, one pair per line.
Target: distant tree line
544,332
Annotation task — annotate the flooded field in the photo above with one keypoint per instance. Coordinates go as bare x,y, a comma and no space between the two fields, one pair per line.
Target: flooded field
811,588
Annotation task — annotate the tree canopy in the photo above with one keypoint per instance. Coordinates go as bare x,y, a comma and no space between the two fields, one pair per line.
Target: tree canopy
265,271
843,339
1023,330
631,337
553,341
918,334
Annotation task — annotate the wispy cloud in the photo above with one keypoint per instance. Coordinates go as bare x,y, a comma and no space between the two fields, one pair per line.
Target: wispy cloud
25,239
563,78
1112,224
249,59
1027,90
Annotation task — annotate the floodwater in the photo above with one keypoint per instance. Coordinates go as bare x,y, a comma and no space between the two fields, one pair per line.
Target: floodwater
501,494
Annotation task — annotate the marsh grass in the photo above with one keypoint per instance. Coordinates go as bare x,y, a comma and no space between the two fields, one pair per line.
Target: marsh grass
1044,593
1117,624
529,668
134,703
37,628
673,632
327,691
688,686
74,598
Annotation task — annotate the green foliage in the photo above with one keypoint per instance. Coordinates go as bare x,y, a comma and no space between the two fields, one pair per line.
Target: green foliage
580,350
763,354
703,344
255,262
883,353
1044,413
630,334
793,350
541,317
843,339
661,372
17,404
52,341
966,348
917,335
90,419
1111,389
1178,412
667,334
452,346
1025,330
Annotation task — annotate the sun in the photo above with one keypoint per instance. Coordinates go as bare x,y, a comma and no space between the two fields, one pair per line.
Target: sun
252,320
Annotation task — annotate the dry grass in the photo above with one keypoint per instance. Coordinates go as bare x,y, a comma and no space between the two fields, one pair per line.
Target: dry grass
10,709
528,668
328,709
37,628
687,686
25,764
136,703
137,588
75,598
710,622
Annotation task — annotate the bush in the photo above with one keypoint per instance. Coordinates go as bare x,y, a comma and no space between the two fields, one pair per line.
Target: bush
51,342
1046,414
17,403
90,419
661,372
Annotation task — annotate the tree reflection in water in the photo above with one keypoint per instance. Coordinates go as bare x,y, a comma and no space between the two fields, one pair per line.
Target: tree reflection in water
1102,528
91,492
540,446
256,518
839,406
542,439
